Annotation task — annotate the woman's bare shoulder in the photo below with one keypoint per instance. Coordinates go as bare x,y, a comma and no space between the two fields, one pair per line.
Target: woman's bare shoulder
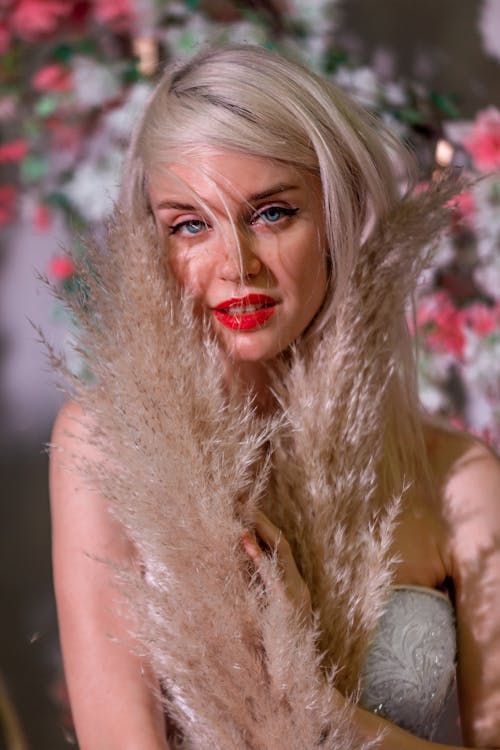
81,514
71,424
456,454
73,443
467,474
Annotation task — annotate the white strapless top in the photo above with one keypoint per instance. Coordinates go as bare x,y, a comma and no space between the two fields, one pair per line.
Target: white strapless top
411,663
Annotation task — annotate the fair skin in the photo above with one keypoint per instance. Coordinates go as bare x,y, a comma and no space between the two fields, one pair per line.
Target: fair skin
259,234
237,225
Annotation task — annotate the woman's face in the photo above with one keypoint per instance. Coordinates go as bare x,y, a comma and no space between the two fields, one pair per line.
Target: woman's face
245,235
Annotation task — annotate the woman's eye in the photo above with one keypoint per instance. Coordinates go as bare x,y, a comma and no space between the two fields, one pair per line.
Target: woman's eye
273,214
189,227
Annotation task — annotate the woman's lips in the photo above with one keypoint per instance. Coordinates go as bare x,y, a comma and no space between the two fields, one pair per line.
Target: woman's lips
245,313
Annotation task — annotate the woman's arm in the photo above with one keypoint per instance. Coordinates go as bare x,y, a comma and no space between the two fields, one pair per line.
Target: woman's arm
111,690
472,508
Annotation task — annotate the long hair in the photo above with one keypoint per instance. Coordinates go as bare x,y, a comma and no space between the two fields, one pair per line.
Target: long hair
249,100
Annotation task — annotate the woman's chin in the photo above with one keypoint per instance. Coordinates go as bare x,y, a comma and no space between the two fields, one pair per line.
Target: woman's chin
255,346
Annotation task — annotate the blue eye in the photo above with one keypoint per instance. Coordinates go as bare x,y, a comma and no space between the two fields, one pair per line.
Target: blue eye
273,214
190,227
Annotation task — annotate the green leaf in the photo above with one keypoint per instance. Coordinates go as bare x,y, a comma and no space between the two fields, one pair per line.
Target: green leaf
411,116
130,74
186,40
333,59
59,200
33,168
446,104
31,129
87,46
63,52
495,193
46,106
10,62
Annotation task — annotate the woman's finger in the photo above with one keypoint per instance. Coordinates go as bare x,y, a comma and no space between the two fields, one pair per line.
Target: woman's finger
251,547
273,537
268,532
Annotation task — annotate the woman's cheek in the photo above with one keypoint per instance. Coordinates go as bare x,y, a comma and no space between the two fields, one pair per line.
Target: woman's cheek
192,272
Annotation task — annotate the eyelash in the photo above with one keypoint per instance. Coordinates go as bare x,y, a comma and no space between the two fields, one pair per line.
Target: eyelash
285,213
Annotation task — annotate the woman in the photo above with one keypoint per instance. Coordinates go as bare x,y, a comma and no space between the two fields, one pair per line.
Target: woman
283,519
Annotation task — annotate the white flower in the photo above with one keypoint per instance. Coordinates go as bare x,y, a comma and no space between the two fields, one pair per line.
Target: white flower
247,32
177,10
94,187
444,253
94,84
361,83
313,13
488,277
456,130
481,378
487,214
433,370
489,27
119,121
431,395
394,94
482,361
184,41
482,413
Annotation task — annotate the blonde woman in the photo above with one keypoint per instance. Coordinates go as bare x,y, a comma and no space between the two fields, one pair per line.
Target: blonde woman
259,540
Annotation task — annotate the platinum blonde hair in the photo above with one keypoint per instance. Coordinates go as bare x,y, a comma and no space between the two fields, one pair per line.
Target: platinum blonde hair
253,101
250,100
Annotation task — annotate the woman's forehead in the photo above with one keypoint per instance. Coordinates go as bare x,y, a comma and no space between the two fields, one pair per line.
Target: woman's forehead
212,174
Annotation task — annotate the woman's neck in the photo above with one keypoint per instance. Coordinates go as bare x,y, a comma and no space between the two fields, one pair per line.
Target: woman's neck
245,379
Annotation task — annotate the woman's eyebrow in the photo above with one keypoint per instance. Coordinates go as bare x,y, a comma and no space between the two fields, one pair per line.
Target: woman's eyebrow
273,190
176,205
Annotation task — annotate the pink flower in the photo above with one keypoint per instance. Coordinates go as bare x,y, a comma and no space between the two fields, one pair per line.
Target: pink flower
421,187
42,217
428,306
13,150
61,267
8,198
32,19
442,324
483,142
4,38
64,137
482,319
464,209
118,14
457,421
8,107
53,77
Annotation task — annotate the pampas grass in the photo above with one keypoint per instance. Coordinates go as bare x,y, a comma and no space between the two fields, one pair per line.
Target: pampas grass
336,400
185,465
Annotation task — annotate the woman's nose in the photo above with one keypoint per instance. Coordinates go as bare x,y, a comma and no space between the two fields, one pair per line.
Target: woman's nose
239,261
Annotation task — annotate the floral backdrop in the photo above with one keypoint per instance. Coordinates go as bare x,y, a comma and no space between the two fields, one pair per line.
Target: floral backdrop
74,74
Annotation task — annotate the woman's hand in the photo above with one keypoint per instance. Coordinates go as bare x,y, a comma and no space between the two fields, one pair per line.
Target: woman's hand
269,539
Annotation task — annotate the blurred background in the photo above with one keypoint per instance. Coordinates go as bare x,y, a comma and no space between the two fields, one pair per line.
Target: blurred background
74,74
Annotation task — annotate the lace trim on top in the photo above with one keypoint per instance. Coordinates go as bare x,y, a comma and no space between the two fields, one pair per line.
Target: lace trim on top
411,663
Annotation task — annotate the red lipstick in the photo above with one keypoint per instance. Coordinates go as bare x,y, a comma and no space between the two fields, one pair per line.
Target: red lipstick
245,313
